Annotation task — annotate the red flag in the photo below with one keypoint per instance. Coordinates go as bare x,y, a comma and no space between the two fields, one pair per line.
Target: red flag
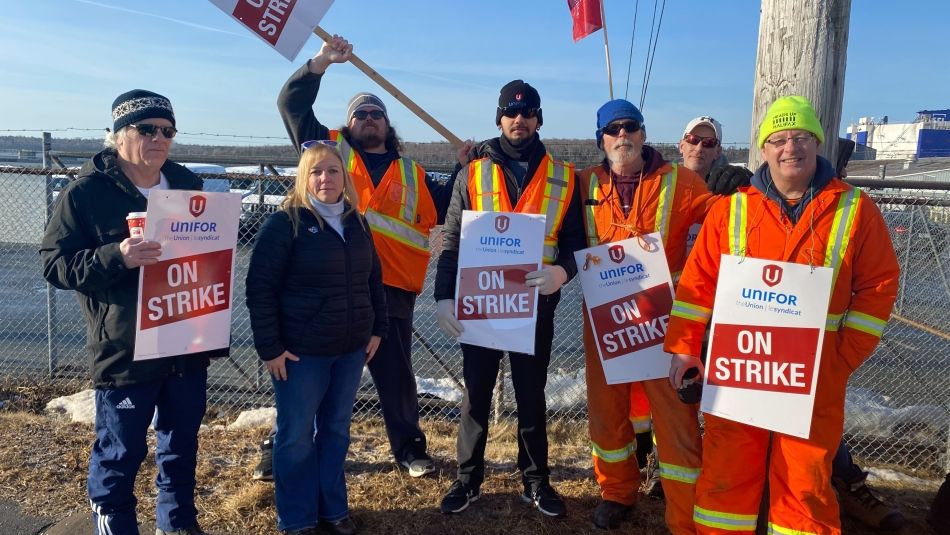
586,15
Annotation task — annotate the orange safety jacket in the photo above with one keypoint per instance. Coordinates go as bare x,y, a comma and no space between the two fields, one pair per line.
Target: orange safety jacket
549,193
841,228
400,213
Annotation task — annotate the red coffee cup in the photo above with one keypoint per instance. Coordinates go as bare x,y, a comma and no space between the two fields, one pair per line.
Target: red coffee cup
136,222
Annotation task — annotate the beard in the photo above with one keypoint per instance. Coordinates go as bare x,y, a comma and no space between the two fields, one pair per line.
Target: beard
623,152
371,138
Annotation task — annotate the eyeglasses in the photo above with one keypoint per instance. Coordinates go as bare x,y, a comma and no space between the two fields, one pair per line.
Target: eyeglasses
707,142
362,114
797,141
151,130
313,142
513,111
613,129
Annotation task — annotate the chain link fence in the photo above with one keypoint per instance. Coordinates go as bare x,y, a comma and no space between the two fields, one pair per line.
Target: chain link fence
898,402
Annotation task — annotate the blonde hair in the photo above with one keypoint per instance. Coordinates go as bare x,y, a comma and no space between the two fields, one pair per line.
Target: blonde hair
298,196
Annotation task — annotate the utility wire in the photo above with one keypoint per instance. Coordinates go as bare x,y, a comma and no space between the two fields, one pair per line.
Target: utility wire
652,55
633,34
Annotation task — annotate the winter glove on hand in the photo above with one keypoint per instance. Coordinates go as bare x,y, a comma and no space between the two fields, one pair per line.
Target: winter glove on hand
727,179
548,280
445,312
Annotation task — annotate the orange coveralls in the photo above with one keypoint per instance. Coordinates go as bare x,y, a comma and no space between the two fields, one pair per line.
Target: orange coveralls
840,228
669,200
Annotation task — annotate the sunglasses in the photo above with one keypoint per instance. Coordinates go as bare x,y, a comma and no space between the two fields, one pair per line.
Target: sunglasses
513,111
314,142
363,114
706,142
613,129
151,130
797,141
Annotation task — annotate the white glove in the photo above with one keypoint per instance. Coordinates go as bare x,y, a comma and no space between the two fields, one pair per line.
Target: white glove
445,312
549,280
678,366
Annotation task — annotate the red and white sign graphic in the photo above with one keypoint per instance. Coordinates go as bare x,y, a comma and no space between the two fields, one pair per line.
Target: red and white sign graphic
492,302
185,299
186,287
765,343
285,25
495,292
628,303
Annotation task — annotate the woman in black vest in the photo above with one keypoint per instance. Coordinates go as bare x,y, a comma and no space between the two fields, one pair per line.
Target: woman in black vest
318,312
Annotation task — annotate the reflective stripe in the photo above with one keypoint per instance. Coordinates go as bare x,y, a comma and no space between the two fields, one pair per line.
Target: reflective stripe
690,311
397,230
641,424
864,323
833,322
788,531
409,175
665,203
593,194
488,183
840,234
349,155
726,521
683,474
738,212
554,205
613,456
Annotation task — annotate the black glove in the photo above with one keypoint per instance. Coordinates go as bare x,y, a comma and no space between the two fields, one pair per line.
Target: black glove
727,179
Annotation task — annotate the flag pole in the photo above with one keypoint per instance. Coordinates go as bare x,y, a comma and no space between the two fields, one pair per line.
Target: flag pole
610,78
396,93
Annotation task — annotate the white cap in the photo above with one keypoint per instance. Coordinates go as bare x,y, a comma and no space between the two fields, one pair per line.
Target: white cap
708,121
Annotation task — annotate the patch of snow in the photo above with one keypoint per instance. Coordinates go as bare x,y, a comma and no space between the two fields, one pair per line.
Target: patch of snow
79,407
252,419
886,474
868,413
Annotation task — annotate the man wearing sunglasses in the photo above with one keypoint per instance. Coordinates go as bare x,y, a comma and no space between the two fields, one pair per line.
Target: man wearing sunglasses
401,203
795,210
633,192
87,248
526,171
701,148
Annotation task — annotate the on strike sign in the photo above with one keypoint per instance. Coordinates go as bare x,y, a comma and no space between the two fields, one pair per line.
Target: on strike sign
185,298
285,25
628,295
767,328
493,303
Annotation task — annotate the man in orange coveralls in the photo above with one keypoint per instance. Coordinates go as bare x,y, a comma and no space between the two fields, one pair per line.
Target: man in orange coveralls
635,191
795,210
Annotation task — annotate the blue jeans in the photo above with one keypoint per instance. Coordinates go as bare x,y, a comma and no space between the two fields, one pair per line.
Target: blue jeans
175,405
314,408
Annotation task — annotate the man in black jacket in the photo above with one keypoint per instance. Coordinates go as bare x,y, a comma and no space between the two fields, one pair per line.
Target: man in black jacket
519,154
375,150
87,248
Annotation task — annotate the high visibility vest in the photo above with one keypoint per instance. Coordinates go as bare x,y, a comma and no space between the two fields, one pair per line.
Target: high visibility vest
835,249
549,193
598,218
400,213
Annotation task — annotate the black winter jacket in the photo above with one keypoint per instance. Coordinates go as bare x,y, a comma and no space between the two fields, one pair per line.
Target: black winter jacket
314,293
295,104
80,251
570,238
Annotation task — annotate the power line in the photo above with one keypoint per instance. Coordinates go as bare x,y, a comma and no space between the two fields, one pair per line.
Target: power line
652,53
633,34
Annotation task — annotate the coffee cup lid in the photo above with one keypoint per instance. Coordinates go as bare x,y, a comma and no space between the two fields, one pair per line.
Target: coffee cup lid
136,215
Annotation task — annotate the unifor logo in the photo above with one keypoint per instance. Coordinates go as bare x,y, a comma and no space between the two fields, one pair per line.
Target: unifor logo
616,253
518,97
771,275
502,223
197,204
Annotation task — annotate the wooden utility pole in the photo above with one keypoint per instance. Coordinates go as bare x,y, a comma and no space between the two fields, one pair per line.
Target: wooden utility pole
803,48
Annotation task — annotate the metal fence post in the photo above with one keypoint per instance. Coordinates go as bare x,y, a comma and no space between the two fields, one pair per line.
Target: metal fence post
51,330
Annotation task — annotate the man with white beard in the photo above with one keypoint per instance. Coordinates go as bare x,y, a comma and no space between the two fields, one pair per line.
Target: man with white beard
634,192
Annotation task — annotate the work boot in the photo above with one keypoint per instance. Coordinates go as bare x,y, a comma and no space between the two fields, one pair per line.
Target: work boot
264,471
543,497
458,498
860,503
939,515
609,515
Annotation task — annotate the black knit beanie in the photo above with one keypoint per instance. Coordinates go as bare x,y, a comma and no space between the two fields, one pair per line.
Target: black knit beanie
518,94
138,104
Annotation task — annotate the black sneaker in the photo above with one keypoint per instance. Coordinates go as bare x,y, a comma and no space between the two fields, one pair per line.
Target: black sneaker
609,515
458,498
264,471
545,499
418,465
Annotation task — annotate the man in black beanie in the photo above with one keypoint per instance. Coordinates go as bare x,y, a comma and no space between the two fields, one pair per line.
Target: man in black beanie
87,248
528,171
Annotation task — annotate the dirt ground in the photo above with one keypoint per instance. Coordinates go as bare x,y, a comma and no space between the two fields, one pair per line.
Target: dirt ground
43,468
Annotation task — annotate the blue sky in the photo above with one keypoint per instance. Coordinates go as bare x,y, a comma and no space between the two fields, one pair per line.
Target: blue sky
64,61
